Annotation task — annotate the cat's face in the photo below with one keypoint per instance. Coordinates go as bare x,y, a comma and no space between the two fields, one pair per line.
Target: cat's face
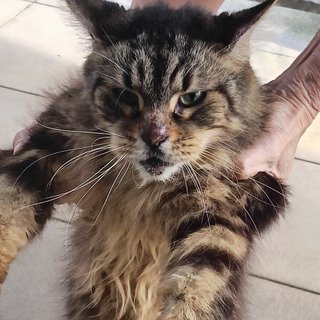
166,105
169,98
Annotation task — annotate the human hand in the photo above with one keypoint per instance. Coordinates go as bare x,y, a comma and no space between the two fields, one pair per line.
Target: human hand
20,139
296,103
210,6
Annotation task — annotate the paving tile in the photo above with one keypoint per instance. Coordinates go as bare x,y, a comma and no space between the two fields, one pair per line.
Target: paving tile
269,66
9,9
18,110
57,3
290,251
283,31
309,145
60,3
35,285
53,53
269,301
34,288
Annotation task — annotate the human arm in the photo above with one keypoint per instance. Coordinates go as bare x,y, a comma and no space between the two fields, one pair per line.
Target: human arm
296,104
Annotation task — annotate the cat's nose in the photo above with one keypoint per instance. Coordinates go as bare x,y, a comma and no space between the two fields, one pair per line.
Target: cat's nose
153,134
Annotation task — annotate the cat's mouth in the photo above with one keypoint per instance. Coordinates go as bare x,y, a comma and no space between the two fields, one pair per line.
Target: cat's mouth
154,166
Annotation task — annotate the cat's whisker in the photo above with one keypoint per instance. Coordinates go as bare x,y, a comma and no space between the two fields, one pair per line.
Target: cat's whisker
67,163
107,138
139,186
68,130
110,132
79,187
196,182
235,198
109,193
259,183
125,173
265,185
237,186
119,97
67,228
45,157
185,181
89,180
78,158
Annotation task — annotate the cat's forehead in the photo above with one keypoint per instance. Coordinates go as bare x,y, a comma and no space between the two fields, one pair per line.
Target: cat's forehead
161,65
168,45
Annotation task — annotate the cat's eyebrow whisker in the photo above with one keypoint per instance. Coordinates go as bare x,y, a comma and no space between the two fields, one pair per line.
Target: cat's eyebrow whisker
119,97
112,43
110,60
108,76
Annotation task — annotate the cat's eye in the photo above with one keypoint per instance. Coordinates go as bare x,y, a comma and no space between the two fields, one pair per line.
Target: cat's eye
126,96
191,99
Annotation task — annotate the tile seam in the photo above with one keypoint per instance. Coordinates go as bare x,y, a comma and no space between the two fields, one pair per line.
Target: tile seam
19,13
43,4
292,286
308,161
22,91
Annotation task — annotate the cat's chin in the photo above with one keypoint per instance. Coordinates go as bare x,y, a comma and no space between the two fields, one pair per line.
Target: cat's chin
157,173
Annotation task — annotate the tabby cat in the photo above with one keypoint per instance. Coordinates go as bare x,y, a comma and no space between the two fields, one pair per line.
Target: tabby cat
144,143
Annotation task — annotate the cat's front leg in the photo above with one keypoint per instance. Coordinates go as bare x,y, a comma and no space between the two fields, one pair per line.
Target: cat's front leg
205,270
17,225
22,213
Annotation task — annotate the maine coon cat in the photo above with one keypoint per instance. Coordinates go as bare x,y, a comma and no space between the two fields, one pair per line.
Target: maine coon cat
144,143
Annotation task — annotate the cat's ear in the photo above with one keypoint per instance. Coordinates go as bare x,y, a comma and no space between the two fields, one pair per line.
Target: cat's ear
235,28
101,18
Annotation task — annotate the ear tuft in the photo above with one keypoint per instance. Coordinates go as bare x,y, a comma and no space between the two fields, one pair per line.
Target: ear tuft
234,26
101,18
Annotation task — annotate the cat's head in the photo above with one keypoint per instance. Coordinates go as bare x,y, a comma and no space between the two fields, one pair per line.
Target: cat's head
173,88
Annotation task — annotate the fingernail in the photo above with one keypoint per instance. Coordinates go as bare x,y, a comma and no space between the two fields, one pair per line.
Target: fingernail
17,147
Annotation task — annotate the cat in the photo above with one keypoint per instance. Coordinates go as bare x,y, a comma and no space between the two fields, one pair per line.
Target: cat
144,143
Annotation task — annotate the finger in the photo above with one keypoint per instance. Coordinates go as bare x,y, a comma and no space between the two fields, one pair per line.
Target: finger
4,154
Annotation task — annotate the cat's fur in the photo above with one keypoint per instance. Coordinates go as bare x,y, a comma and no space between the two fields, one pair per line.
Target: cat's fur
149,245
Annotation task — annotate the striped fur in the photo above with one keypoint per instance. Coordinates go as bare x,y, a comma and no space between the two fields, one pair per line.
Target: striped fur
149,246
